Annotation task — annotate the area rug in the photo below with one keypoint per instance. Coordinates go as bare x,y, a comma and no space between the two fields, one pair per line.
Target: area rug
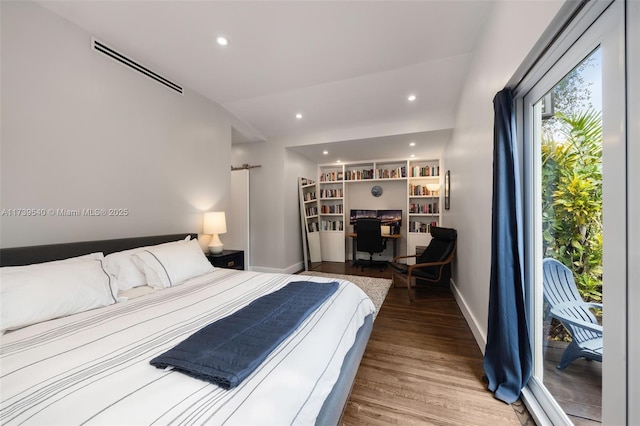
375,288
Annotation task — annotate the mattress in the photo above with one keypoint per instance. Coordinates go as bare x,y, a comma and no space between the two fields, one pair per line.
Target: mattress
93,367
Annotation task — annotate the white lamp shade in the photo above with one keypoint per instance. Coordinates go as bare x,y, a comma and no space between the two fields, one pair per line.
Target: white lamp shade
433,187
214,223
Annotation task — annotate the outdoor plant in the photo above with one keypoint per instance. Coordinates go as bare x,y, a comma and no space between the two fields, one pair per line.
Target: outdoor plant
572,197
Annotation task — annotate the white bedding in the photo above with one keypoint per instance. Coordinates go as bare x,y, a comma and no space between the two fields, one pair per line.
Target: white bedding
93,367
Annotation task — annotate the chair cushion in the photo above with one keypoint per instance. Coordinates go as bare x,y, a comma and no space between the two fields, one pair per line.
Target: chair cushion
436,251
443,241
448,234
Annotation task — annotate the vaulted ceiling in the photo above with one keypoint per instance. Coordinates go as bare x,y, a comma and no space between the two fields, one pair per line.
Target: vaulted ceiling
347,66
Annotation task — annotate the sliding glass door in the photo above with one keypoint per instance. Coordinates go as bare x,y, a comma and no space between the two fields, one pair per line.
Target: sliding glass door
576,201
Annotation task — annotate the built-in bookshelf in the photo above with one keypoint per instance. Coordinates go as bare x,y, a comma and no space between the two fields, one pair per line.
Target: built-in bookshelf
422,210
310,220
424,202
331,211
424,195
331,199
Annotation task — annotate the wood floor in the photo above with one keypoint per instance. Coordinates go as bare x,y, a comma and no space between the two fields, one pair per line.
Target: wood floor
422,365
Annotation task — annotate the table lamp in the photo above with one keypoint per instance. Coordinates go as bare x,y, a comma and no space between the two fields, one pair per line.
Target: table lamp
433,188
214,224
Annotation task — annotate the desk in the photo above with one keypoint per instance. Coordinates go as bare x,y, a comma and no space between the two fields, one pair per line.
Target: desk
392,237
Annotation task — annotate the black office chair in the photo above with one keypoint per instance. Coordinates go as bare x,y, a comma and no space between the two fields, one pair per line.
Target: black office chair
369,239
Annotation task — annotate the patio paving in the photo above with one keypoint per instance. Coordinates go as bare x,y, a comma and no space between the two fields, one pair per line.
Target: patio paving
577,388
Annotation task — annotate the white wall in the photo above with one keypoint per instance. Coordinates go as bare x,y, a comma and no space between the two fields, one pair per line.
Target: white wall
507,40
394,197
276,242
80,130
295,166
266,201
512,31
237,216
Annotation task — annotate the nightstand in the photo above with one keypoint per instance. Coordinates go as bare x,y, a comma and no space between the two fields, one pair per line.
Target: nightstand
231,259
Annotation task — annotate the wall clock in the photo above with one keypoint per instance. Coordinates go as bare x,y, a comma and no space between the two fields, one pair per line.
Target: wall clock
376,191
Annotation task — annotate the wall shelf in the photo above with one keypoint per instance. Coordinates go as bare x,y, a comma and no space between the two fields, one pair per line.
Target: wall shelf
307,190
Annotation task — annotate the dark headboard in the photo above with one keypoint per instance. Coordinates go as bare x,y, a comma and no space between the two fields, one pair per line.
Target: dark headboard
18,256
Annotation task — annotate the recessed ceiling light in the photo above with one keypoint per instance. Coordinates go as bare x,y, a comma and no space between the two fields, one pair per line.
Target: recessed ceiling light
298,116
222,41
325,152
412,98
338,161
412,144
412,156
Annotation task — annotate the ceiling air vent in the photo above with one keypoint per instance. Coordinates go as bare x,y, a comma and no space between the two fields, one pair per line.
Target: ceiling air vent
106,50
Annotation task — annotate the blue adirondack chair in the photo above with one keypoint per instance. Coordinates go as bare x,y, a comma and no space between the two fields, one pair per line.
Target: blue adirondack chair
567,306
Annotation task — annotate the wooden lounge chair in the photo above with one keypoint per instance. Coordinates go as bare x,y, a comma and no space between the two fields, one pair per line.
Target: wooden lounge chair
566,305
433,265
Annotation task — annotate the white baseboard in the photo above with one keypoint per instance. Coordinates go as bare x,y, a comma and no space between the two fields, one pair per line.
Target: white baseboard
481,338
295,268
288,270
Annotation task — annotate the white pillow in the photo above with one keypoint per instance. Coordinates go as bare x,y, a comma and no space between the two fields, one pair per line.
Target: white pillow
168,266
123,270
84,257
40,292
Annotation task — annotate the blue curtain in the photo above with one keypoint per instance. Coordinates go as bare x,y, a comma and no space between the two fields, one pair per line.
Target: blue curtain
508,360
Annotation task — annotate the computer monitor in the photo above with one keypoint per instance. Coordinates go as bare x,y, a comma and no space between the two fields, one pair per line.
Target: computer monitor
360,214
391,218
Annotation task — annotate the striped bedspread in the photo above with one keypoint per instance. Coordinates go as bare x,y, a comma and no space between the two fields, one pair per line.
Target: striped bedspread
93,367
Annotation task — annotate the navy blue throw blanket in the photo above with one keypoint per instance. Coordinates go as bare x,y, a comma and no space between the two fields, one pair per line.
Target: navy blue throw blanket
229,350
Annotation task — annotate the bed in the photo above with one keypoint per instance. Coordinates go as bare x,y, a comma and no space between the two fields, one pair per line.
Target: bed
93,366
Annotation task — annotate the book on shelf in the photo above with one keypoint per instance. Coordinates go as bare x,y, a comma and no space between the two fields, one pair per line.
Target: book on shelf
425,171
422,191
331,193
421,227
312,226
309,196
311,211
363,174
306,181
332,225
331,176
327,209
395,173
424,208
